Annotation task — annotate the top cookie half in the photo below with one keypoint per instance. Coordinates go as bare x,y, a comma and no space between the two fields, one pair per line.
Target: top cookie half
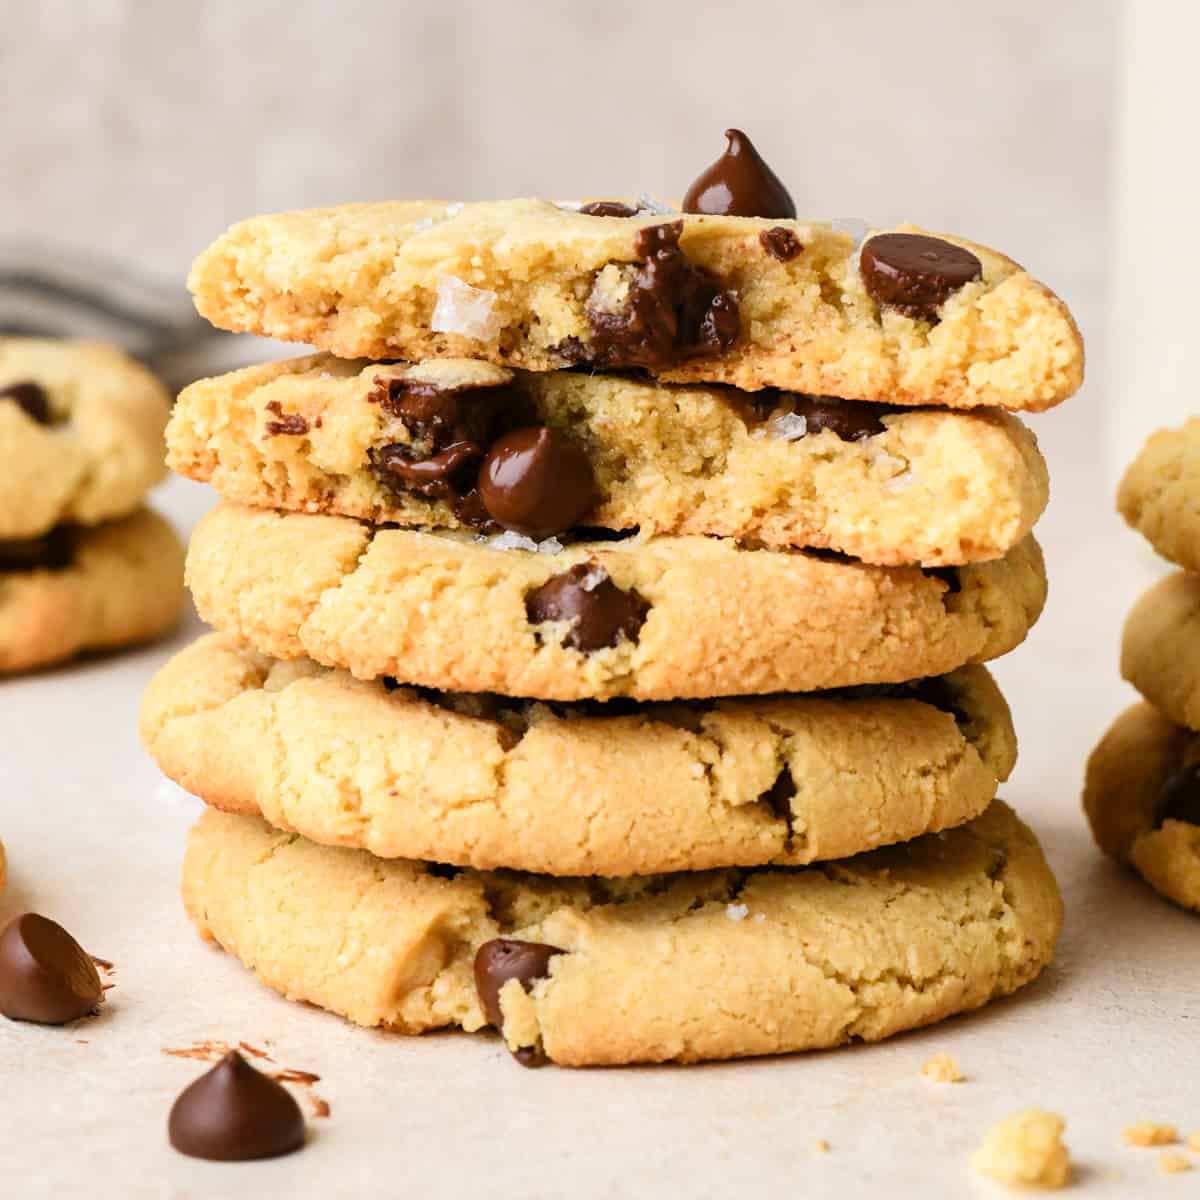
747,301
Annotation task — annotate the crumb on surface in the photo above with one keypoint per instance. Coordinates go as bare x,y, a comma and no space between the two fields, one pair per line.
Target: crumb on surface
1149,1133
1025,1150
821,1146
941,1068
1174,1162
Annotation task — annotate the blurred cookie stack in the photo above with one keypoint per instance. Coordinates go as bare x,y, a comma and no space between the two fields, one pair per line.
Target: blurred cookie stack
601,606
1142,794
84,566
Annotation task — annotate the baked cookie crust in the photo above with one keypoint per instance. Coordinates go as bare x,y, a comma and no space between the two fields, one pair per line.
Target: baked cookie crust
1159,647
1158,494
123,584
445,611
708,965
571,790
932,487
100,449
511,282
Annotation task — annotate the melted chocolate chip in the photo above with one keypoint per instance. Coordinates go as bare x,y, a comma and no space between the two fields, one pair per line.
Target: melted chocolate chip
284,423
30,397
850,420
438,477
739,184
780,243
915,273
608,208
674,310
502,959
1179,799
234,1113
537,482
45,975
51,552
601,614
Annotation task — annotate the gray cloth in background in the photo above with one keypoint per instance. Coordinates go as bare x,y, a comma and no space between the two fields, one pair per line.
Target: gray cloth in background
51,292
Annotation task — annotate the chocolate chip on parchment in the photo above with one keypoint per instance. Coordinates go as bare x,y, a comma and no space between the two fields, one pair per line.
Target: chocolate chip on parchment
31,397
739,184
600,613
234,1113
502,959
608,208
45,975
915,273
1179,799
537,482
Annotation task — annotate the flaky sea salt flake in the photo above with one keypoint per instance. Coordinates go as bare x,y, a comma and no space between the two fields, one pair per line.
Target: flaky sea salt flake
465,310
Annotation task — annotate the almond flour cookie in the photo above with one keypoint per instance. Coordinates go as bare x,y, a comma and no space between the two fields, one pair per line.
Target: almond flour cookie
1142,797
88,589
705,965
747,301
662,619
1160,494
420,445
81,434
1160,649
3,867
575,790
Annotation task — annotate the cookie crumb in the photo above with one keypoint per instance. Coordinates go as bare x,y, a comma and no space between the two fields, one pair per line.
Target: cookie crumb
1173,1162
941,1068
1149,1133
1025,1150
821,1146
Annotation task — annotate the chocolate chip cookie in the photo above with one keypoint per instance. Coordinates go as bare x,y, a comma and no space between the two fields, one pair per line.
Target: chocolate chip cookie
1158,494
660,619
703,965
438,445
88,588
1160,649
81,435
1142,797
751,301
617,789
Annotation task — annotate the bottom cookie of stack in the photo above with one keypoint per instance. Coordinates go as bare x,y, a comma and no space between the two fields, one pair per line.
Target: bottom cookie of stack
591,971
1142,798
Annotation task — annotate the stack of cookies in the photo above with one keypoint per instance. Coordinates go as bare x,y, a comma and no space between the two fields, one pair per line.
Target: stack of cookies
1142,794
601,617
83,564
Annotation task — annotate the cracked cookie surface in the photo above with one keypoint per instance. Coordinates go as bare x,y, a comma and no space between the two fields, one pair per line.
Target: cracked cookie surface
931,487
445,611
1160,647
1141,783
518,282
1159,494
572,790
121,583
90,444
686,967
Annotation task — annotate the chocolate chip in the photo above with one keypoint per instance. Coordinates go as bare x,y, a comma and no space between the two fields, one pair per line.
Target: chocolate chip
435,478
850,420
675,310
601,614
286,423
502,959
739,184
31,397
45,975
780,243
608,208
1179,799
52,551
915,273
234,1113
537,482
